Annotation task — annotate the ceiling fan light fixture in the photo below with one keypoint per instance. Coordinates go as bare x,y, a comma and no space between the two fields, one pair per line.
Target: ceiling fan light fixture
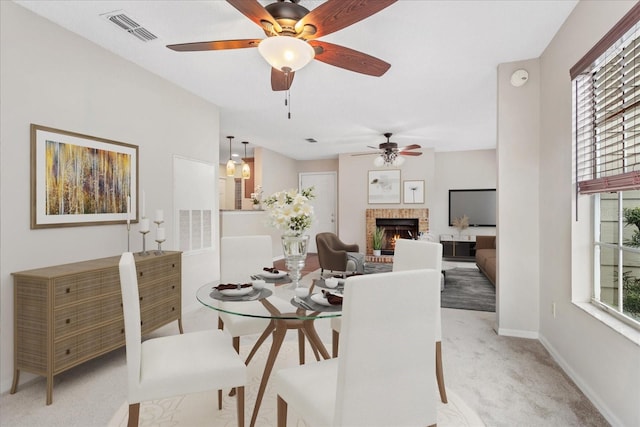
379,161
286,52
388,158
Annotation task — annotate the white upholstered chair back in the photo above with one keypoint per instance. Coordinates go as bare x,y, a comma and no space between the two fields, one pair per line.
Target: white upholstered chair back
131,309
385,364
416,254
240,258
173,365
383,375
412,254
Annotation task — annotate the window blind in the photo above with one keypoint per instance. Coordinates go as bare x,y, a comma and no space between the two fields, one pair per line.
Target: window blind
607,114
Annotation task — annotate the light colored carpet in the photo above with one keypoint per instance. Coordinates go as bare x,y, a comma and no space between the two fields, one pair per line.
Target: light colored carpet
201,409
506,381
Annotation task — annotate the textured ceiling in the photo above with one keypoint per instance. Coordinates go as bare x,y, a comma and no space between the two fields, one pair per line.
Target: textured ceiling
440,91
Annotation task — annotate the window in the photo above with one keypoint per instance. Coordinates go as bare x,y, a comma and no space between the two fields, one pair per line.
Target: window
617,252
606,86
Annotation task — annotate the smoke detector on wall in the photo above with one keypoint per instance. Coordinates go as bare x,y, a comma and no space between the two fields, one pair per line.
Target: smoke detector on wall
519,78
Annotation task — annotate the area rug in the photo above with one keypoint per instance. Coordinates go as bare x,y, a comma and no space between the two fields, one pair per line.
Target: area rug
468,289
465,288
200,409
377,267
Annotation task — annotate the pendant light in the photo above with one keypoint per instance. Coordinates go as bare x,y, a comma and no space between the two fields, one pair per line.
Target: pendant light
231,167
246,170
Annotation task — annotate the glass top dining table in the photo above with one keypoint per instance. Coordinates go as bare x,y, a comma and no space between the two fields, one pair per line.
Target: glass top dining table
304,311
302,308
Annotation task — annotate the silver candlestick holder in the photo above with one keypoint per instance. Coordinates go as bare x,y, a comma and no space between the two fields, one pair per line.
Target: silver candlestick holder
128,237
159,251
158,223
144,243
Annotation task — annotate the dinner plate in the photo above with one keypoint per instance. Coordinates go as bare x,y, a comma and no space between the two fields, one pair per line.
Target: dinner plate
320,299
269,275
236,292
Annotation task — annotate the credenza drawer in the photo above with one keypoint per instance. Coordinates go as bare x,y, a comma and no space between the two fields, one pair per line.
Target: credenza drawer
156,316
87,345
77,287
73,318
152,271
151,294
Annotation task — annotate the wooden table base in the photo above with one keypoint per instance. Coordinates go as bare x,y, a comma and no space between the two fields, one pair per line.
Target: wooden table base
278,328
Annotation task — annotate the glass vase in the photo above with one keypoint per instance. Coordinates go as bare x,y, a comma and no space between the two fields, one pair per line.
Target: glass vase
294,249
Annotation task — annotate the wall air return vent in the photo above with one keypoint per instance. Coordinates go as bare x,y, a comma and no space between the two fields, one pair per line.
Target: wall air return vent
130,25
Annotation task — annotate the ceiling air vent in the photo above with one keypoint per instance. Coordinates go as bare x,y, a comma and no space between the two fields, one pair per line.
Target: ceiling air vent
131,26
311,140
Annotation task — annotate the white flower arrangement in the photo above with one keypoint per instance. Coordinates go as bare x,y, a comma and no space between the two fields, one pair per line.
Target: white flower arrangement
256,197
291,211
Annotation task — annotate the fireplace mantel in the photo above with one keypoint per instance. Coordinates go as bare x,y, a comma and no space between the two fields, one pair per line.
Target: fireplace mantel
371,214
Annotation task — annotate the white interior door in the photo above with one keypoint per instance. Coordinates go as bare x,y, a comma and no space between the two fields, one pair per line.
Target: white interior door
324,205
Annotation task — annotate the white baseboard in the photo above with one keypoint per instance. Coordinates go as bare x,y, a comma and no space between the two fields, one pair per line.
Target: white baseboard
582,385
517,333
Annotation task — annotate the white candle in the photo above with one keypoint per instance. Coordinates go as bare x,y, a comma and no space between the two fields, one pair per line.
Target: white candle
159,215
143,200
128,210
161,235
144,224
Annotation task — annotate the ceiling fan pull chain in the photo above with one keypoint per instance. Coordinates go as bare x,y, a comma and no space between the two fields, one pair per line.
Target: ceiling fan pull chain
288,104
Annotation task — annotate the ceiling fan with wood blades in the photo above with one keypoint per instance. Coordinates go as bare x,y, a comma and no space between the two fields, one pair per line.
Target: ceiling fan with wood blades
291,24
390,154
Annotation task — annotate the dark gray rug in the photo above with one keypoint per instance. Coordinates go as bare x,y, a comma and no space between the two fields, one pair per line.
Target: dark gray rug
468,289
464,288
377,267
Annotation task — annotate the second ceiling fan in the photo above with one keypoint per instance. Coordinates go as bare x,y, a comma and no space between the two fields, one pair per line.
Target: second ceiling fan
390,154
291,24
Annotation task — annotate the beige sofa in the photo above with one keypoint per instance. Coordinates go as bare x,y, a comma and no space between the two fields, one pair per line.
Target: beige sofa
486,256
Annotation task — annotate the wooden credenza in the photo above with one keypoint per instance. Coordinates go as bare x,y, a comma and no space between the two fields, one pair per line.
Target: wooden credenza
68,314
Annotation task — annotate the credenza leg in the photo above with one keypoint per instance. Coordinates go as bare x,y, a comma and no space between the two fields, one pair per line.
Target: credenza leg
49,389
180,325
16,378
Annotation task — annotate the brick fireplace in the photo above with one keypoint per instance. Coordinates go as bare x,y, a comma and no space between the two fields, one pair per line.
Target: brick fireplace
420,215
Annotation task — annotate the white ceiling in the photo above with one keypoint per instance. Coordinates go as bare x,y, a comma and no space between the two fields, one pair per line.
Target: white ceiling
440,91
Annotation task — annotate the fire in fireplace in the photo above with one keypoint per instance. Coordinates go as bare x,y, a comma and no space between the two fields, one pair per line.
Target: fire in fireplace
394,229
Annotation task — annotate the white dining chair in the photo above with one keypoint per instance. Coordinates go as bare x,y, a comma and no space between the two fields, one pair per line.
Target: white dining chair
240,258
174,365
411,255
381,377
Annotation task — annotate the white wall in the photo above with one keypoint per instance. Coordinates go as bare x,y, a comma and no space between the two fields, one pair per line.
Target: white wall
517,283
460,170
54,78
441,171
353,188
278,172
604,364
275,172
250,223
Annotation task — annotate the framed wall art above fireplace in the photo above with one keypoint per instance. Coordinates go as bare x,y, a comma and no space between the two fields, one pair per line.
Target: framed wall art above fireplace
384,186
81,180
413,192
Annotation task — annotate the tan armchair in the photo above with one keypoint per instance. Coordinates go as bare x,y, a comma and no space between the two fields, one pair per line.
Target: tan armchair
333,254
